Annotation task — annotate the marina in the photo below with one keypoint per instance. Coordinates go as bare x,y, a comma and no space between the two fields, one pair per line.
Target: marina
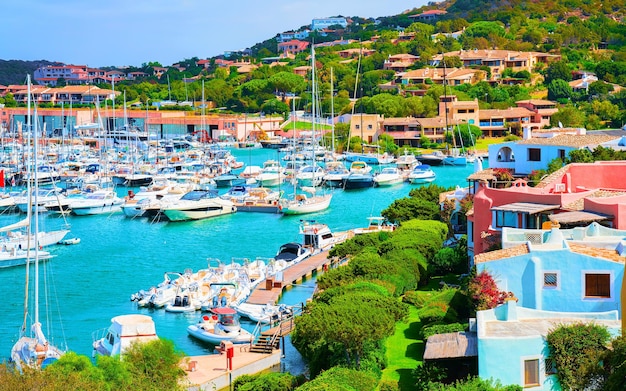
117,256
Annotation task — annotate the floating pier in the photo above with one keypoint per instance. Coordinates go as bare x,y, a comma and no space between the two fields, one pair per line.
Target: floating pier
269,291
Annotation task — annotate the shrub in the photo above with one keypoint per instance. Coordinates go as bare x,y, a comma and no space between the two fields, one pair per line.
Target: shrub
433,329
577,351
484,292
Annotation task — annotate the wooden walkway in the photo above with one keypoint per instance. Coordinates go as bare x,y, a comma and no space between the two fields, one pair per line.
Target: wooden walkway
269,291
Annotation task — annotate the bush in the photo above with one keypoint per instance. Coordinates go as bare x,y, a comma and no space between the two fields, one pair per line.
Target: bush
433,329
577,351
388,385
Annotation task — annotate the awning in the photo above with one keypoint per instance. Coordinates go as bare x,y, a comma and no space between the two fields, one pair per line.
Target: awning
578,217
526,207
451,345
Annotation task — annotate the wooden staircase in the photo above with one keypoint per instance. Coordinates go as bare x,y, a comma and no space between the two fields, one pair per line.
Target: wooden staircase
270,339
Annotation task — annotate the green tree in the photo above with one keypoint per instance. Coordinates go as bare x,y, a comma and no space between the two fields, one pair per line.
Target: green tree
577,350
559,89
557,70
568,116
9,100
284,82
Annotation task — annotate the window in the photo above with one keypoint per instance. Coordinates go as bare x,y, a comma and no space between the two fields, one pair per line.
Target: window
561,154
534,154
357,126
550,364
531,373
369,126
550,280
598,285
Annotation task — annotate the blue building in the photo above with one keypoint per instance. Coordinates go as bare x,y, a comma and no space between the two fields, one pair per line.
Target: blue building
554,283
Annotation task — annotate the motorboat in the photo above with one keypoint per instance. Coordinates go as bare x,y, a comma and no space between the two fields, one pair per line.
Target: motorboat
123,332
389,176
221,325
259,199
318,236
44,195
376,224
433,159
335,174
360,176
272,174
228,180
236,193
186,299
292,253
196,205
99,202
422,173
227,293
310,175
267,313
406,162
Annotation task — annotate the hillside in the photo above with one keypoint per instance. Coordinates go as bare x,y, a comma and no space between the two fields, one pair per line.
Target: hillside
13,71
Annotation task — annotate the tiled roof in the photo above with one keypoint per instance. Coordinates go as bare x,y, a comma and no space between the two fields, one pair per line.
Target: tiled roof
604,253
501,254
513,112
569,140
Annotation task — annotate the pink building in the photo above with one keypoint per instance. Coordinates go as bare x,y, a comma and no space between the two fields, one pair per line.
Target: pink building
576,195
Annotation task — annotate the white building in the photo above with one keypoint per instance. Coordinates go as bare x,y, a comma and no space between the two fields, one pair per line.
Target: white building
324,23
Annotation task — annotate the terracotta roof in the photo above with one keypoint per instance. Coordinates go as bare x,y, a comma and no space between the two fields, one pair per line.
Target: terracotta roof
568,140
552,177
501,254
579,204
537,102
610,255
401,121
513,112
433,122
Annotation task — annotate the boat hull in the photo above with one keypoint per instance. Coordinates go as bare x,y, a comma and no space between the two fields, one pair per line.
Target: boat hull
198,213
311,205
240,337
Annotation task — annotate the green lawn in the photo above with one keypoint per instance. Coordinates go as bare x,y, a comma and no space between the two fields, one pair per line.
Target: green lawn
405,350
305,125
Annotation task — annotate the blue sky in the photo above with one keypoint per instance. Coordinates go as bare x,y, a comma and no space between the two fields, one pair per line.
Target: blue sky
132,32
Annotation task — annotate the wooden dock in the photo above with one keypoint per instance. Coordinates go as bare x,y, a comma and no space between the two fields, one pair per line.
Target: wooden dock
269,291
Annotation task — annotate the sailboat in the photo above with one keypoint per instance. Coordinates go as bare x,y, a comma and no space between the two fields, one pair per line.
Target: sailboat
33,350
303,203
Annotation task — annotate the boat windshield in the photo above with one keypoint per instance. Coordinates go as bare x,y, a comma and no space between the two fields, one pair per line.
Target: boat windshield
198,195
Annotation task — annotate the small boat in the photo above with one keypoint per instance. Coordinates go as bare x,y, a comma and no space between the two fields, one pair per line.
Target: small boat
292,252
196,205
335,174
124,330
422,173
389,176
433,159
69,241
222,325
99,202
360,176
376,224
267,313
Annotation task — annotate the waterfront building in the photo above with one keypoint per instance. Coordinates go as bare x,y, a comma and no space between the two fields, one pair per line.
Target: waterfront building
324,23
576,195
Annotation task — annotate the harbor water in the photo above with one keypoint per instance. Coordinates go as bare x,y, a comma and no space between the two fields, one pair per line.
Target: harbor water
89,283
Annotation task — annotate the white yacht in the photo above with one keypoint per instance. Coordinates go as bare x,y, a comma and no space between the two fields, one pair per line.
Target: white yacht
125,330
198,204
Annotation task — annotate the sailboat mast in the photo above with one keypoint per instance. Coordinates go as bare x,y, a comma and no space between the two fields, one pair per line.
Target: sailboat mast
35,206
29,207
332,112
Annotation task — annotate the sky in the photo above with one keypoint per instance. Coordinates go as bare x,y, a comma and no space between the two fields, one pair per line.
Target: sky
134,32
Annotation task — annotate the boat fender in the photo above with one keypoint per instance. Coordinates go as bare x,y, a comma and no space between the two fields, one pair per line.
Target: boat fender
234,209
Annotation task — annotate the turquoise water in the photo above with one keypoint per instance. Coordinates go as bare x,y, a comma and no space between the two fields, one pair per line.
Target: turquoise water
118,256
